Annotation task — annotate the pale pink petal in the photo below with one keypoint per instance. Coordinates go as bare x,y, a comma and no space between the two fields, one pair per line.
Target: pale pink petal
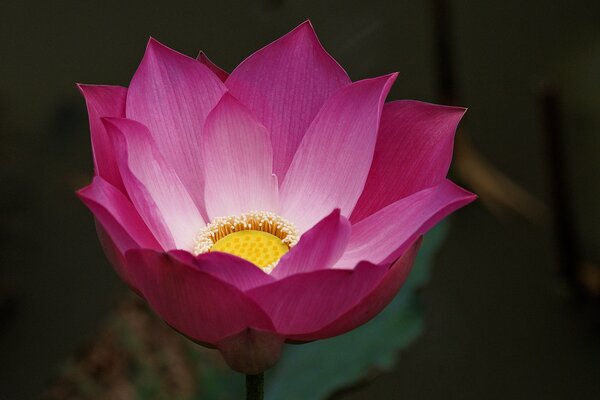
104,101
413,152
285,84
230,269
237,162
385,235
172,94
218,71
319,247
331,165
372,303
197,304
153,186
306,302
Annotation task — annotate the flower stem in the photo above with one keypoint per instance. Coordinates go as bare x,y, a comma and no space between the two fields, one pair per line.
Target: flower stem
255,386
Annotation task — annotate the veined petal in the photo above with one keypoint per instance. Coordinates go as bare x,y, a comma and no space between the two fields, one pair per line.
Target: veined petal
218,71
306,302
172,94
194,302
319,247
153,186
104,101
331,165
285,84
237,162
413,152
121,227
385,235
372,303
228,268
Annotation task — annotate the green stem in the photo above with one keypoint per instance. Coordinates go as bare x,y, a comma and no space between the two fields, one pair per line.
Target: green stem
255,387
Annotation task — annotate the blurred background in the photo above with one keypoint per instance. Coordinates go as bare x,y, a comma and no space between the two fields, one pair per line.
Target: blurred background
510,306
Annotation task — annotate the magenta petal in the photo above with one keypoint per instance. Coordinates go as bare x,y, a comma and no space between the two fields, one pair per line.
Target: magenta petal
372,303
319,248
237,162
153,186
117,216
331,165
119,225
172,94
228,268
218,71
251,351
413,152
307,302
385,235
197,304
285,84
104,101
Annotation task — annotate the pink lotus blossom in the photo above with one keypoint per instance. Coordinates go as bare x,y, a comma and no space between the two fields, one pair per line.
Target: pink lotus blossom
280,203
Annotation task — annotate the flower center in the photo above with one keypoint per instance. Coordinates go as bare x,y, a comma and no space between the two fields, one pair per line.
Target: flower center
260,237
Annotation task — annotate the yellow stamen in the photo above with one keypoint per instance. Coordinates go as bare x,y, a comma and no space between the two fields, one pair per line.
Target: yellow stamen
260,248
260,237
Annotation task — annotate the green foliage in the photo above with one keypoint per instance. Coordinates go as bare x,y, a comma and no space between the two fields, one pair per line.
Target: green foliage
315,370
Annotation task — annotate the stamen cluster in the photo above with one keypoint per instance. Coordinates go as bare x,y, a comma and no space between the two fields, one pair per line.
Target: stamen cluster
254,220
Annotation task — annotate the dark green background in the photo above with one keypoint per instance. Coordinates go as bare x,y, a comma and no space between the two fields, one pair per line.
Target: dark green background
499,323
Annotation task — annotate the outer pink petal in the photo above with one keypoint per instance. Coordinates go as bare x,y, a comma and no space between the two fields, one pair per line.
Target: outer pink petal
154,188
117,215
251,351
120,227
228,268
319,248
372,303
237,162
172,94
104,101
331,165
307,302
285,84
218,71
385,235
413,152
194,302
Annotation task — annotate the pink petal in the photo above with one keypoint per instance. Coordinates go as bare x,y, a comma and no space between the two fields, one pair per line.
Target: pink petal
237,162
413,152
117,215
319,248
172,94
307,302
218,71
285,84
104,101
153,186
119,225
251,352
195,303
385,235
372,303
228,268
331,165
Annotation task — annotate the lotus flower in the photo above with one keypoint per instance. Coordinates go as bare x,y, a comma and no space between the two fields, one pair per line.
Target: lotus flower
280,203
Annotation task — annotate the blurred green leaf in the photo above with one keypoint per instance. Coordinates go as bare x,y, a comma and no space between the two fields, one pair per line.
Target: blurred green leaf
315,370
